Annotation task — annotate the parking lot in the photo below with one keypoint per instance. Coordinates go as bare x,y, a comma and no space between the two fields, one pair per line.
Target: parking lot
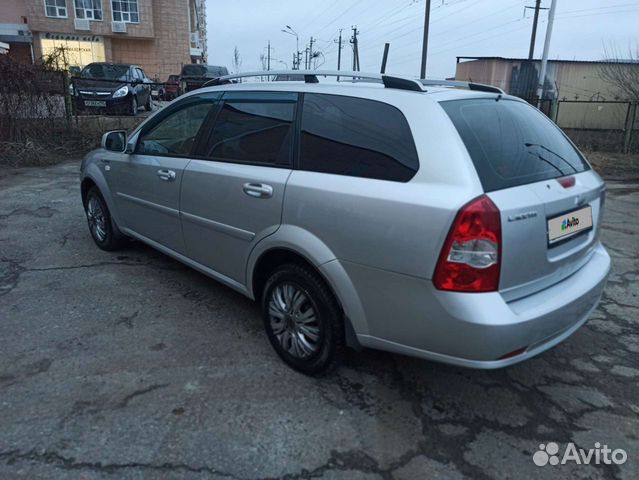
131,365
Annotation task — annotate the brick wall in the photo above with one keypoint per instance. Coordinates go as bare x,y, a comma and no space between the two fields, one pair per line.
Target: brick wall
39,22
160,44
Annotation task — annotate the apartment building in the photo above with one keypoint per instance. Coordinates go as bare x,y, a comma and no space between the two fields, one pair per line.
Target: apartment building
159,35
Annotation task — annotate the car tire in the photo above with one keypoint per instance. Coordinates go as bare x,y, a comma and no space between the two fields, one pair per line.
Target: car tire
303,320
103,229
133,106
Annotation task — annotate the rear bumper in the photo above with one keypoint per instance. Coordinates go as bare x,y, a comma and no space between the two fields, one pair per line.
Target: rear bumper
475,330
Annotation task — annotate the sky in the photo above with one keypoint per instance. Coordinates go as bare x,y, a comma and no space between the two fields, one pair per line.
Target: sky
583,29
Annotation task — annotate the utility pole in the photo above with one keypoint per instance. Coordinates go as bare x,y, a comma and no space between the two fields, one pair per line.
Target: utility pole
356,49
544,58
537,7
306,58
339,52
425,42
310,54
268,57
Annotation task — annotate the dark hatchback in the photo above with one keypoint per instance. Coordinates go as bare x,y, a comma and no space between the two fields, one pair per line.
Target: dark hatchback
112,88
195,76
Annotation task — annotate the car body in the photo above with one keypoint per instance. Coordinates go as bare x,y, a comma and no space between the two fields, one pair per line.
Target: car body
170,90
431,216
194,76
112,88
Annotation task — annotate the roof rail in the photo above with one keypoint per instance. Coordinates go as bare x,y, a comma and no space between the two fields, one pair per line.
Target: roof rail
311,76
480,87
389,81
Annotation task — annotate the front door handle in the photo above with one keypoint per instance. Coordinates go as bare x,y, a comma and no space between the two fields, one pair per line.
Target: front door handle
258,190
166,175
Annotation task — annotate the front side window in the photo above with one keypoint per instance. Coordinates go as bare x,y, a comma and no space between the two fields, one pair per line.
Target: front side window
254,128
88,9
356,137
55,8
125,11
175,135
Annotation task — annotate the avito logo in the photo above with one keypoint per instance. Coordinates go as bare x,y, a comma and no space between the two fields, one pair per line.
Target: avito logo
569,223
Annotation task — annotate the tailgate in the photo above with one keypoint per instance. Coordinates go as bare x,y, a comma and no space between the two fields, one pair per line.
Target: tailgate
534,256
549,198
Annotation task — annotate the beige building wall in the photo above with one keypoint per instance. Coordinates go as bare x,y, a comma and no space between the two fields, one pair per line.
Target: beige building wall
583,94
12,11
571,80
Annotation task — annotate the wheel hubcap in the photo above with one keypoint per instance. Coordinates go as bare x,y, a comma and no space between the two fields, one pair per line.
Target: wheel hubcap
95,216
294,320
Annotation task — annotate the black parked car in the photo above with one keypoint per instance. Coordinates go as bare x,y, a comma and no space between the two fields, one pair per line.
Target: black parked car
111,87
194,76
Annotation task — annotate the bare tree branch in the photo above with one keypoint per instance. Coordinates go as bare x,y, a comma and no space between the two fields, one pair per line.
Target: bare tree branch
622,71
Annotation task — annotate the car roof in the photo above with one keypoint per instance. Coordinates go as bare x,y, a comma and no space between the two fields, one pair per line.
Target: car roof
356,89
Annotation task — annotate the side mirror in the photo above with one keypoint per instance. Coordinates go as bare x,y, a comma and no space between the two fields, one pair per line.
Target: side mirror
114,141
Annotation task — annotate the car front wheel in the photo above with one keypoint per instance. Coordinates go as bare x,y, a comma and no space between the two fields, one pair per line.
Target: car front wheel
103,230
303,320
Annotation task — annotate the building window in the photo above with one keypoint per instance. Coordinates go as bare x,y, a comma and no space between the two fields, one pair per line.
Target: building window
125,11
55,8
88,9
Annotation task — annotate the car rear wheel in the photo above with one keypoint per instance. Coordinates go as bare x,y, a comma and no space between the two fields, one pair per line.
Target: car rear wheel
303,321
103,230
133,106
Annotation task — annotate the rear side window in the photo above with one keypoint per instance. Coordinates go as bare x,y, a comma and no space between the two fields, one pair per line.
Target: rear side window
356,137
253,128
511,143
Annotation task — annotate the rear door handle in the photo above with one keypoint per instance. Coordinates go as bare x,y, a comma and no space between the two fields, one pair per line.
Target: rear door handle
258,190
166,175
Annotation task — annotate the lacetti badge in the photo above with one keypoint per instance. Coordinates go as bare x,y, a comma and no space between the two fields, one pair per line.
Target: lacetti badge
568,223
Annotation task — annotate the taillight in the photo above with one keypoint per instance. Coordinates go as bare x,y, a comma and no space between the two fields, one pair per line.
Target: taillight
470,259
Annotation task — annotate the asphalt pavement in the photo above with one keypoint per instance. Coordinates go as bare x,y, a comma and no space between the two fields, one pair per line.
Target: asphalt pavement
131,365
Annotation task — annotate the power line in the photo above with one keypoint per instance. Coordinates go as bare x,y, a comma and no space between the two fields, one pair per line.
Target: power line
440,33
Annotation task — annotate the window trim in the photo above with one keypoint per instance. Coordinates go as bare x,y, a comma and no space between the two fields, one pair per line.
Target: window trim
167,112
399,110
198,154
137,3
66,9
75,13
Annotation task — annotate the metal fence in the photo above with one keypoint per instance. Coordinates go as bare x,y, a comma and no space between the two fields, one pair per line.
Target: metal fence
595,125
600,125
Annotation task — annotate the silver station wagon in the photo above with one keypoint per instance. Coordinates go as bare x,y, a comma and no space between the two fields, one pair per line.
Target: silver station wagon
443,220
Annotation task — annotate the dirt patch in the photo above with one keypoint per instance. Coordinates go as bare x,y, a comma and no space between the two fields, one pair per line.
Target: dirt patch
615,166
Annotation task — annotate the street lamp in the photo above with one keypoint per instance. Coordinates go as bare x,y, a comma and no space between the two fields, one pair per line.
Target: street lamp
290,31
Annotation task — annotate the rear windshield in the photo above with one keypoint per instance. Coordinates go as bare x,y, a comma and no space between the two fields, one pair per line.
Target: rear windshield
512,143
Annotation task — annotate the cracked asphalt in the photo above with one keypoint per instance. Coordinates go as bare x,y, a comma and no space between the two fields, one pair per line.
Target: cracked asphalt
131,365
